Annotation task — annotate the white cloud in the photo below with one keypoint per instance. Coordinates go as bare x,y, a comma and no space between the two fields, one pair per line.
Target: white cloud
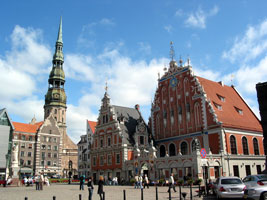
249,46
179,13
199,18
144,47
168,28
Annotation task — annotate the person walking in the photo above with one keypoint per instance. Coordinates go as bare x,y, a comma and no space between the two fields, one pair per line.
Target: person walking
90,186
41,181
171,183
136,182
100,190
82,179
146,182
36,180
140,182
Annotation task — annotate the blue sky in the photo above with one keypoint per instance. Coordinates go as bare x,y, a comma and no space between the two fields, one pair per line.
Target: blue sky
126,43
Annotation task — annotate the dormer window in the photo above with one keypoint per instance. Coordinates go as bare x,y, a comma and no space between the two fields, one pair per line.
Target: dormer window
240,111
221,98
218,106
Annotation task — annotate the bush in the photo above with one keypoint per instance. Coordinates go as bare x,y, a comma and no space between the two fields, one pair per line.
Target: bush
190,181
198,181
180,182
132,181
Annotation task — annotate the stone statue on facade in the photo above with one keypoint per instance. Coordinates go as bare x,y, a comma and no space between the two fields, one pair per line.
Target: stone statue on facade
15,155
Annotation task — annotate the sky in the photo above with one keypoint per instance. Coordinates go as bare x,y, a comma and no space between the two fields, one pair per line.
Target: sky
126,44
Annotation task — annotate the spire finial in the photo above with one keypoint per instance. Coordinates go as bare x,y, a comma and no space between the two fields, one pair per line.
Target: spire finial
59,37
106,87
181,61
172,53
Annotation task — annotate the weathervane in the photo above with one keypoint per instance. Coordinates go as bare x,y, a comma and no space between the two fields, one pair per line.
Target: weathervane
106,87
172,53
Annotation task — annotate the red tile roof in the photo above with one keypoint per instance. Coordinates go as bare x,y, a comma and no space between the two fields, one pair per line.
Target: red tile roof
92,125
27,128
233,102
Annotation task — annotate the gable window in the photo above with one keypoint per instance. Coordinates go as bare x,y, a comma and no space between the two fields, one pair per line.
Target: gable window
165,118
233,144
162,151
197,115
218,106
172,116
187,106
180,114
184,148
245,145
256,146
142,140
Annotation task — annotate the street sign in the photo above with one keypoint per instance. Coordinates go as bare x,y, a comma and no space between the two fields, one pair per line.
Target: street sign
203,153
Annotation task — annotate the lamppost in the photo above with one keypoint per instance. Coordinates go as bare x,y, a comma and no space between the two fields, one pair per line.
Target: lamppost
70,168
43,160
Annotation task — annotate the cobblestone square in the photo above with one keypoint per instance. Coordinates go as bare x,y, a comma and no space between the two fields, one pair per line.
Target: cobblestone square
71,192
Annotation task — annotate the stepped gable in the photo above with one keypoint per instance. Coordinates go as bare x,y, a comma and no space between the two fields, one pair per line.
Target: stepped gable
234,111
129,116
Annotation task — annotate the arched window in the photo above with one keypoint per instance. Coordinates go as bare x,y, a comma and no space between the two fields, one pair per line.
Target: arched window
245,145
184,148
256,147
162,151
172,150
233,145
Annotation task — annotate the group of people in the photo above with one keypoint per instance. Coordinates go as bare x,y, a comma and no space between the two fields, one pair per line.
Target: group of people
40,180
140,182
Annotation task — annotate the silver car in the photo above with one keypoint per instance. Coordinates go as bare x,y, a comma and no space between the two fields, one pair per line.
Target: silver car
256,187
229,187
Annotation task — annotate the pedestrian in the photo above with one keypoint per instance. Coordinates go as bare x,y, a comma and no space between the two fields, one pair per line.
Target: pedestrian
82,179
146,182
140,182
25,180
109,180
37,180
90,186
136,182
41,182
9,180
171,183
100,190
46,180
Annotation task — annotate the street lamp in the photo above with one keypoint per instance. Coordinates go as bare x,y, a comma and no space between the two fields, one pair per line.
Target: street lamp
70,168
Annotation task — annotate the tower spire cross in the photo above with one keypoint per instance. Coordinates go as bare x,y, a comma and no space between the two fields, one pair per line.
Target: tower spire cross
172,53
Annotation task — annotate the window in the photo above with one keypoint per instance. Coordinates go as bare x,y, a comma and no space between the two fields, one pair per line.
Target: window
258,169
22,154
49,155
172,116
30,146
240,111
23,137
55,155
21,162
162,151
165,118
29,154
55,148
248,171
172,150
101,160
49,163
218,106
187,106
256,147
50,131
49,147
180,114
22,145
43,155
44,139
109,159
195,144
49,139
117,158
42,162
236,170
55,139
54,163
245,145
197,115
101,143
142,140
233,144
30,138
184,148
221,98
94,161
43,147
29,162
109,141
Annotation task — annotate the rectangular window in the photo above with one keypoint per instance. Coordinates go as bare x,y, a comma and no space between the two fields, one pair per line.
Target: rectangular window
22,154
118,158
258,169
248,171
30,146
49,155
236,170
55,163
94,161
42,162
55,155
141,140
43,155
44,139
43,147
30,138
109,159
29,162
29,154
102,160
21,162
109,141
49,139
22,145
49,163
55,139
49,147
23,137
101,143
55,148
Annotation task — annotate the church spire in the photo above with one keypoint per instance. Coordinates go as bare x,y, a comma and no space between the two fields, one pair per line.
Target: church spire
59,37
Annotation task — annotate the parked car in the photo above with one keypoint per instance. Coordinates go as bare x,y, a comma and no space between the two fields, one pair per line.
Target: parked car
229,187
256,187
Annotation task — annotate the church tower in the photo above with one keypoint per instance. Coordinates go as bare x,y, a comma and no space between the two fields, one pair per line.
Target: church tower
55,105
55,98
